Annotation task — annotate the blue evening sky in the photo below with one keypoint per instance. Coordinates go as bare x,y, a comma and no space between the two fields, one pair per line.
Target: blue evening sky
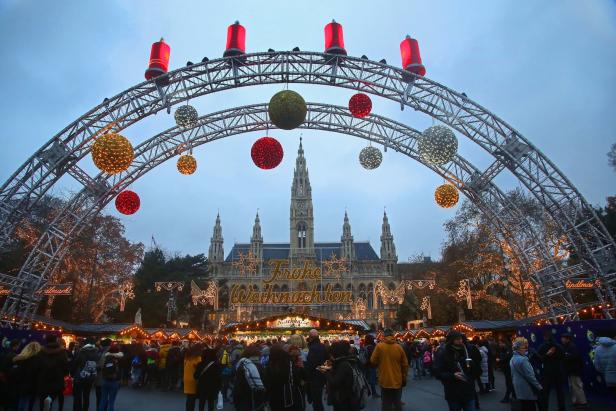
547,67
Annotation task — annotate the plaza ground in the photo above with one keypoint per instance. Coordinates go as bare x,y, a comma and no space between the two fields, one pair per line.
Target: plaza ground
422,395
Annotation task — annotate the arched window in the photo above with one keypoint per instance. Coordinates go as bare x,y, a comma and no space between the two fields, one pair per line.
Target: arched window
301,235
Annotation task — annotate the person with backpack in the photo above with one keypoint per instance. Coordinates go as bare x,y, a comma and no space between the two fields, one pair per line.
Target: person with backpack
249,391
393,368
110,372
369,369
209,381
173,365
227,371
347,389
427,359
283,381
98,384
84,374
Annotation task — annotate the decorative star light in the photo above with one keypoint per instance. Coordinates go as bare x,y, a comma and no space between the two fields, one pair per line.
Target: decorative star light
390,296
169,285
126,292
203,297
246,263
335,266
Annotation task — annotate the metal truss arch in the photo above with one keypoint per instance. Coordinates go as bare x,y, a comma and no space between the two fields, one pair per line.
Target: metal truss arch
584,232
43,260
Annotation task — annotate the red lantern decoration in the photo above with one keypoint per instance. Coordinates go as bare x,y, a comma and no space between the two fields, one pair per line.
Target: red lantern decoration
334,39
127,202
411,59
236,40
360,105
159,60
266,153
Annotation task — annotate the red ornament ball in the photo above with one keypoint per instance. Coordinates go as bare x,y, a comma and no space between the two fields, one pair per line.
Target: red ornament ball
266,153
360,105
127,202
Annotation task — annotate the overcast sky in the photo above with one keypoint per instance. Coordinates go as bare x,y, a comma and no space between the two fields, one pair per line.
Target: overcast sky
548,68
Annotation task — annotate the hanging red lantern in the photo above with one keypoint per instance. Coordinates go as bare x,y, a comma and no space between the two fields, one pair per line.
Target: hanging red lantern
236,40
159,60
360,105
127,202
334,39
411,59
266,153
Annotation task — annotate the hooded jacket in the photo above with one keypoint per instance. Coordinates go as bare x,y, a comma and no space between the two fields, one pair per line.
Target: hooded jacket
605,360
88,352
118,356
392,363
52,363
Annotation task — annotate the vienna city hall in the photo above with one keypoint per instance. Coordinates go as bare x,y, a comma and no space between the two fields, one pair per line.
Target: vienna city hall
335,280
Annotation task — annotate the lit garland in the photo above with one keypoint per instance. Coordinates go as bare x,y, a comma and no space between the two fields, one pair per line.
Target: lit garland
126,292
426,306
464,292
112,153
446,195
437,145
390,296
287,109
169,285
360,306
360,105
370,157
419,284
267,153
187,164
127,202
207,296
186,117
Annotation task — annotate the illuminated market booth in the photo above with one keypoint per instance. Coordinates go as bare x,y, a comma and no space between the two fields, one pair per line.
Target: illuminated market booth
285,325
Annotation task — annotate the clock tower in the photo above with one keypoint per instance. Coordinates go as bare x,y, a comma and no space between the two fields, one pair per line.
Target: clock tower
301,217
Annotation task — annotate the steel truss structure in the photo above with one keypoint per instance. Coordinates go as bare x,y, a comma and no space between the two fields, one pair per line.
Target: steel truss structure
575,220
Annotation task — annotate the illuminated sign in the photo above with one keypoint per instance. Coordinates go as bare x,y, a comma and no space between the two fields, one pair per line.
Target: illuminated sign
4,290
56,289
582,284
294,322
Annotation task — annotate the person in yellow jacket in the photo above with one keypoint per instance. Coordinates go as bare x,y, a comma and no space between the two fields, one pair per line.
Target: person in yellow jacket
393,367
191,359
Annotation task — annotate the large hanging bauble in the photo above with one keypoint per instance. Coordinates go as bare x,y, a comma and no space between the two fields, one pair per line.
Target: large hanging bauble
266,153
370,157
112,153
360,105
127,202
287,109
446,195
437,145
186,117
187,164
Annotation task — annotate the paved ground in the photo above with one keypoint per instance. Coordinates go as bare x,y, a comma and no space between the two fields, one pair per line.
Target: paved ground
423,395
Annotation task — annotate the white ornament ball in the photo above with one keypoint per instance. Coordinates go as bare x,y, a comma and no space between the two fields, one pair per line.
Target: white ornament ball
186,117
370,157
437,145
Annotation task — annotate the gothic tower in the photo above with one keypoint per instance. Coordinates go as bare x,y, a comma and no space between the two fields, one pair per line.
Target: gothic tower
388,249
347,250
256,241
301,218
216,253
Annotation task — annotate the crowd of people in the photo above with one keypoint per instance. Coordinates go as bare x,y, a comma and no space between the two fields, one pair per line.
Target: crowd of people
287,374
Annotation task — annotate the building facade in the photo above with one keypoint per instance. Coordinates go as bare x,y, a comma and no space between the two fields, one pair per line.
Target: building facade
358,268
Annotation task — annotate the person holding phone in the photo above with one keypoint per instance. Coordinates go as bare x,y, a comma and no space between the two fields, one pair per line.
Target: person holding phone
457,371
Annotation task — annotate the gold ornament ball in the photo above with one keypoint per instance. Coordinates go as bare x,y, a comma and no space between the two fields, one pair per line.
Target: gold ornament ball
287,109
187,164
446,195
112,153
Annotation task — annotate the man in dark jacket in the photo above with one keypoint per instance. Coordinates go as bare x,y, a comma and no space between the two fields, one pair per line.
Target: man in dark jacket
317,355
574,367
504,357
340,378
551,355
84,373
457,371
53,366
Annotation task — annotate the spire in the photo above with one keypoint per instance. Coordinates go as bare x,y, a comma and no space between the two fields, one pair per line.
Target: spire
388,249
216,252
256,241
301,226
347,249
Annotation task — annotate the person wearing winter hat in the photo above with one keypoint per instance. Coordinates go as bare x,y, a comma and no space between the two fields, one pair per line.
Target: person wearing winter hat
393,368
84,372
110,372
457,371
605,362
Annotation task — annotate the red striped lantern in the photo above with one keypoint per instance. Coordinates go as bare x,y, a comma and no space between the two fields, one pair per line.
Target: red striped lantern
127,202
360,105
159,60
236,40
266,153
411,59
